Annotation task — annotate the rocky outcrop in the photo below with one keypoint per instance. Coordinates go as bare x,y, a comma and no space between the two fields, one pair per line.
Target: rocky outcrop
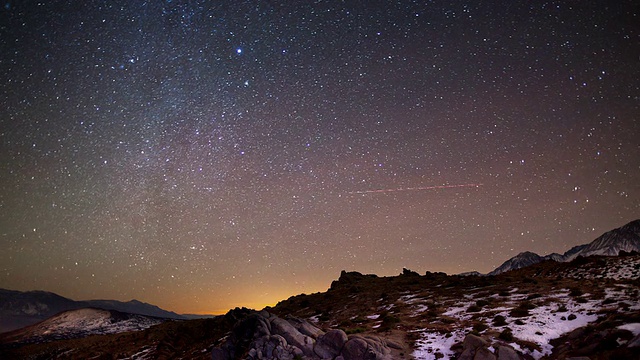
265,336
350,278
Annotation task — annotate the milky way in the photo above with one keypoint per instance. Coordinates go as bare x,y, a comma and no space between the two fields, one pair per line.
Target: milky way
203,155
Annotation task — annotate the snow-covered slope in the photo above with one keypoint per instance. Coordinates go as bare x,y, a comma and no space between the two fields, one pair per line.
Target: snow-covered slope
80,323
519,261
19,309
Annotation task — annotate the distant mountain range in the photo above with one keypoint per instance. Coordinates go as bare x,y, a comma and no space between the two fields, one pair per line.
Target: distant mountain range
611,243
19,309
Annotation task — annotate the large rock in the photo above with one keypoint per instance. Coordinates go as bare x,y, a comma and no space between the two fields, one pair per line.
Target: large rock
473,342
484,354
379,345
304,327
357,349
292,335
508,353
365,348
471,345
330,344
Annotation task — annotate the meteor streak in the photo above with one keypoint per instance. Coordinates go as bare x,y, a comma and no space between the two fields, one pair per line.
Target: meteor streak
414,189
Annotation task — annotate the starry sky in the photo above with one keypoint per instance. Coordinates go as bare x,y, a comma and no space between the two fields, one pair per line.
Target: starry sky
203,155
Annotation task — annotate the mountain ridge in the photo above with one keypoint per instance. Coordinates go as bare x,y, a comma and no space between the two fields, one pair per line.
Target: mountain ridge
611,243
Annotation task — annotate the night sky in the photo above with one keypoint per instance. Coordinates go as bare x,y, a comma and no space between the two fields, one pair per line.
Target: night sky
203,155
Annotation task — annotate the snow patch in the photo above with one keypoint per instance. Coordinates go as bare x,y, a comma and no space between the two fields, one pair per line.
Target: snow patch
433,342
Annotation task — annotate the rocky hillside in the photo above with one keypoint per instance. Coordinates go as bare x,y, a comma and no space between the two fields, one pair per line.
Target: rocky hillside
589,307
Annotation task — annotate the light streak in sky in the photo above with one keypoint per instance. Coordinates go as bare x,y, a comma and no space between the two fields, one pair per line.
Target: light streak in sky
379,191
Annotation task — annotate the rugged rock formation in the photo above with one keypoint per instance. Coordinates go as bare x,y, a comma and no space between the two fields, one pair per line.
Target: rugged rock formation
265,336
349,278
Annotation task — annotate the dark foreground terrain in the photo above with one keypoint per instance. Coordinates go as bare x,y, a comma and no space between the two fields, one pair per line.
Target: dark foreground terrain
587,307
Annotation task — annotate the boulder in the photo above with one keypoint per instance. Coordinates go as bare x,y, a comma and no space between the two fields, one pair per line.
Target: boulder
467,354
484,354
378,344
365,348
357,349
330,344
304,327
473,342
508,353
292,335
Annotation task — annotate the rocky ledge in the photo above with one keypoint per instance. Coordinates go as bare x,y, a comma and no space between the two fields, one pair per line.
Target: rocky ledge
265,336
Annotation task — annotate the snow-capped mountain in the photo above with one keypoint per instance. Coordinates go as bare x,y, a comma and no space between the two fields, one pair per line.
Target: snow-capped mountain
81,323
133,307
19,309
625,238
519,261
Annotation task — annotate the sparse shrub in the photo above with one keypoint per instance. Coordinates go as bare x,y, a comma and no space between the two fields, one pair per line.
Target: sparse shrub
519,322
523,309
533,296
482,303
345,323
571,317
480,327
575,292
527,305
582,300
473,308
355,331
499,320
562,308
608,301
506,335
519,312
388,321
